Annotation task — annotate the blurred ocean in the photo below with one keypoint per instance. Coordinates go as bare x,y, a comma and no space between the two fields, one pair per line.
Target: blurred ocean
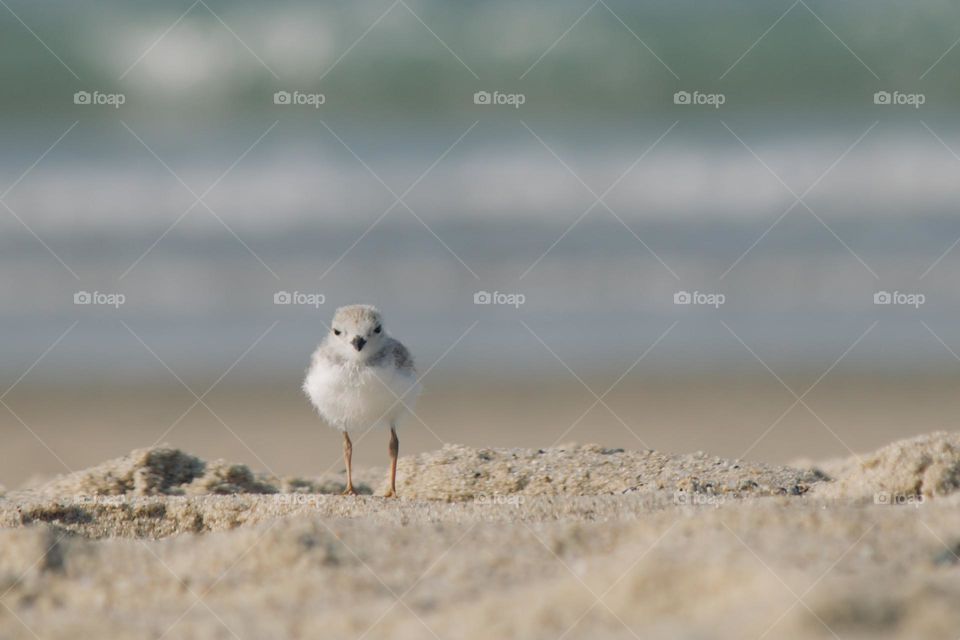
296,201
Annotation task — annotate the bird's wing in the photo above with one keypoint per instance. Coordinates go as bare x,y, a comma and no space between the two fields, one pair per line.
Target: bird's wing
402,358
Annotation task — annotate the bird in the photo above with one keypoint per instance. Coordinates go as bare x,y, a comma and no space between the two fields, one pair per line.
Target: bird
361,378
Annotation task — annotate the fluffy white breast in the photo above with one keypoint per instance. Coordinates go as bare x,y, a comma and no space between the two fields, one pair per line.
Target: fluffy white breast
351,397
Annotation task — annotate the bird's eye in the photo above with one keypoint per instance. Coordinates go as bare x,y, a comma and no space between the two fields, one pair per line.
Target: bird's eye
336,332
377,330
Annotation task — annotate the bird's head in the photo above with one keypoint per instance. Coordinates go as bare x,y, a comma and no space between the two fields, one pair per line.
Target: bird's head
357,331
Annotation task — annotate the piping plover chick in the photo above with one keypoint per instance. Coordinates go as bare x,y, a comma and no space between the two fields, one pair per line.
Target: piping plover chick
360,378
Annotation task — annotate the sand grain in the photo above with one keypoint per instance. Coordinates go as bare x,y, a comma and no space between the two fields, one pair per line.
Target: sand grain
490,543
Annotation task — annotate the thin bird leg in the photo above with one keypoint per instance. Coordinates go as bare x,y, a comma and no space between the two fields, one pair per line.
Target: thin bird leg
394,450
348,459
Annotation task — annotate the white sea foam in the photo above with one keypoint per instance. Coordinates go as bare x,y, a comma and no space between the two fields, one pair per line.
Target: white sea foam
275,193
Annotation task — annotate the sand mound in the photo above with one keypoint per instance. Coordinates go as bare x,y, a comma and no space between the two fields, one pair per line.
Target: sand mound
159,471
925,467
922,467
575,541
164,471
458,473
454,473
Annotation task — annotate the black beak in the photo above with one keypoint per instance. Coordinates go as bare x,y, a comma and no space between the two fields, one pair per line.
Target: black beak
358,343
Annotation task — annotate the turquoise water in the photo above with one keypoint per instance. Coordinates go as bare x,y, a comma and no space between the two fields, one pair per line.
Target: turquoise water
501,199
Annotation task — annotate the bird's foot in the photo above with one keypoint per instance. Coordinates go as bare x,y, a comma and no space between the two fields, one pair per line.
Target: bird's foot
349,491
390,494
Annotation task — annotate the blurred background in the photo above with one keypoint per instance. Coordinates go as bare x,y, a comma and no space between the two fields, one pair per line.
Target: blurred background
197,162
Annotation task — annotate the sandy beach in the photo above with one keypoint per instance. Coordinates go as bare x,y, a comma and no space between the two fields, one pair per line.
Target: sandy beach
574,541
675,284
